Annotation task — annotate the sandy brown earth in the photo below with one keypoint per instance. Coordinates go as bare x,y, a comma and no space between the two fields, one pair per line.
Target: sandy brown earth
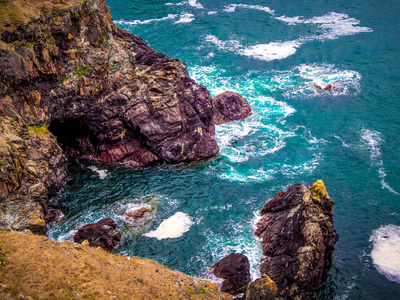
35,267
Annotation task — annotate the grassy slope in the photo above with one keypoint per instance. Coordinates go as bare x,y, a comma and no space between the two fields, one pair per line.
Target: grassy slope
16,12
35,266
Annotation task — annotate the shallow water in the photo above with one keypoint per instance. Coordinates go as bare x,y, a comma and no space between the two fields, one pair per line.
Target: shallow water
273,53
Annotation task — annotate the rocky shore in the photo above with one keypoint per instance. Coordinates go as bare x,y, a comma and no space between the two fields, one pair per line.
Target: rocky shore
74,85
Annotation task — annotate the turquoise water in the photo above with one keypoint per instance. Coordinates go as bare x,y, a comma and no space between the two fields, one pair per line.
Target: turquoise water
273,53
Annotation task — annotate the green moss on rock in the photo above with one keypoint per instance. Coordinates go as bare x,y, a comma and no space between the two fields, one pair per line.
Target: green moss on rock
41,131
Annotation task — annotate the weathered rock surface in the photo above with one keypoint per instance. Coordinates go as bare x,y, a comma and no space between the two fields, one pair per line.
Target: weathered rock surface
230,106
235,269
263,288
53,215
102,234
298,239
67,71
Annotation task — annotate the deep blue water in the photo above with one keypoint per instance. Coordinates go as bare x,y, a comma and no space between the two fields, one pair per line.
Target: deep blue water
273,53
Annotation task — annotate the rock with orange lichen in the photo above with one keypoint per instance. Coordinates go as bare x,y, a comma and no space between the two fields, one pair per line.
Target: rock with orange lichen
263,288
298,239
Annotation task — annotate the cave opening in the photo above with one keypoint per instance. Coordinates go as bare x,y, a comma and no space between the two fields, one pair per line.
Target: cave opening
73,136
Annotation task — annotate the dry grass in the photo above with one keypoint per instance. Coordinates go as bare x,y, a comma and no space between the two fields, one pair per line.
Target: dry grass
35,266
14,13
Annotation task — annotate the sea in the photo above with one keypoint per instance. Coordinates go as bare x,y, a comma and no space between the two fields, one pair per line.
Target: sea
282,56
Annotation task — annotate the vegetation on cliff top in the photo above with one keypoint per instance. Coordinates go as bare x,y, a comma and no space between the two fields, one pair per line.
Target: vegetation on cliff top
35,266
14,13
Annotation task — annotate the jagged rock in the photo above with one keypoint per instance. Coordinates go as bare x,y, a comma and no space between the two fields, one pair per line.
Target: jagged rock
53,215
263,288
235,269
230,106
69,77
102,234
298,239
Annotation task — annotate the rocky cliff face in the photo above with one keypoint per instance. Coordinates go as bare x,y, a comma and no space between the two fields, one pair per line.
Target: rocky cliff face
297,239
67,71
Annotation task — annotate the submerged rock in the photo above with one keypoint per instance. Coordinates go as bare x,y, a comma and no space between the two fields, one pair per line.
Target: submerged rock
263,288
102,234
135,214
298,239
139,216
230,106
235,269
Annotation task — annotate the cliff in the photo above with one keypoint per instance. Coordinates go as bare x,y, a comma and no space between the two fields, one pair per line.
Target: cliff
72,83
34,267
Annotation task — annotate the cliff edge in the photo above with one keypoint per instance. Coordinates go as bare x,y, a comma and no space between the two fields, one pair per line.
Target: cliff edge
35,267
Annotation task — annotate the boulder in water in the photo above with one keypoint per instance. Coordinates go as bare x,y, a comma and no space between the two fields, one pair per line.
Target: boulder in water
102,234
235,269
298,239
230,106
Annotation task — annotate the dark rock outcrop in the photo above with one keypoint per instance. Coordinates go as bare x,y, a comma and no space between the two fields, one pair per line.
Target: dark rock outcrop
53,215
298,239
102,234
263,288
230,106
72,83
235,269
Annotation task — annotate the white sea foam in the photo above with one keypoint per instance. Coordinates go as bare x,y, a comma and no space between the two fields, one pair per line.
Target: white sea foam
179,3
301,81
271,51
260,135
195,4
173,227
386,251
384,184
330,26
212,12
136,22
102,173
67,236
373,139
185,18
232,8
242,240
230,45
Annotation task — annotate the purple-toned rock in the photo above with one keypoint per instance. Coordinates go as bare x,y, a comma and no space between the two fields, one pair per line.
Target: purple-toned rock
235,269
53,215
298,239
102,234
230,106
